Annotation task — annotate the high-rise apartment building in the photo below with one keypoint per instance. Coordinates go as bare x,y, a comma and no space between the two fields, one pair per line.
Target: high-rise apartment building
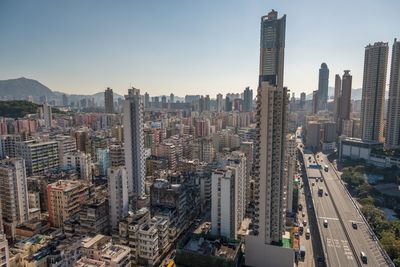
272,49
323,83
109,100
247,100
13,194
64,199
302,100
290,168
338,90
315,102
118,195
39,156
270,147
345,99
134,144
392,140
373,91
4,253
146,100
81,162
228,191
220,103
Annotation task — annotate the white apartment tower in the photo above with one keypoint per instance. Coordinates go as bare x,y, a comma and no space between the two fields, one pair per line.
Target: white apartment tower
118,195
13,193
392,140
134,144
228,192
373,91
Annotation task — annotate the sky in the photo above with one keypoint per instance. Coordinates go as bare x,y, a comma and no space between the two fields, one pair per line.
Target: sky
185,46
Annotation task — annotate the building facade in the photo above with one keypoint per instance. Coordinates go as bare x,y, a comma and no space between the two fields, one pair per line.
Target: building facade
109,100
134,144
373,91
118,194
392,140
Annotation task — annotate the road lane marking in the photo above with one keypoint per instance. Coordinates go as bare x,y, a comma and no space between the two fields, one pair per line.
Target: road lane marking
327,218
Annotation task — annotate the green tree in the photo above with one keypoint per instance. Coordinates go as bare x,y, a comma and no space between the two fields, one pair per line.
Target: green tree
390,244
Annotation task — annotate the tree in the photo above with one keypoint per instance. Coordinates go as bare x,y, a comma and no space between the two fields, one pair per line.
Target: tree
390,244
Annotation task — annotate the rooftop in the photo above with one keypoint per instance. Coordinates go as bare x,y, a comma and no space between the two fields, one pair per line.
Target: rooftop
216,247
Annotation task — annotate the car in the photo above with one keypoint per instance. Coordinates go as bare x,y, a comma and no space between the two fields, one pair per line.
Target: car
312,183
326,193
364,257
326,223
354,225
305,223
303,214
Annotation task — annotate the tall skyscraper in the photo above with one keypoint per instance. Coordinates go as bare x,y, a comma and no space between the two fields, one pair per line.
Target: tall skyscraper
302,100
134,144
109,100
315,102
345,99
171,98
392,140
272,49
220,104
323,82
270,147
248,100
338,90
13,193
373,91
146,100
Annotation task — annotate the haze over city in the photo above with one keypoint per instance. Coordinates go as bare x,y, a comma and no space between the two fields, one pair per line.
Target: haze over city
183,46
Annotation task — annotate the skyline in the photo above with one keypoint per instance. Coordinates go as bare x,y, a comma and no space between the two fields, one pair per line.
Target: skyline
87,49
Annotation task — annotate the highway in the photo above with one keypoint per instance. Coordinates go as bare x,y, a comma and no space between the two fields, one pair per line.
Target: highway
360,238
336,245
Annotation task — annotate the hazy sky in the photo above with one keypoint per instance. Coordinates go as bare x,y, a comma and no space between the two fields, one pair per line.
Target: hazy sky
185,47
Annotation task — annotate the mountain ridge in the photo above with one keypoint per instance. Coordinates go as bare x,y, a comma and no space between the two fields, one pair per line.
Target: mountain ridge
21,88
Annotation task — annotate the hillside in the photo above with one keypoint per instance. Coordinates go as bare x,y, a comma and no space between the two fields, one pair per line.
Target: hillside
21,88
19,108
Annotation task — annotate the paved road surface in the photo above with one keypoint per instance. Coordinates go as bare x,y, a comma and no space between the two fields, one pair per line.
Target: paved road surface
361,238
335,242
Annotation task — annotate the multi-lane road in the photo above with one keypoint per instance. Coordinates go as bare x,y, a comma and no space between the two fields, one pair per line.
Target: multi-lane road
335,243
360,239
341,242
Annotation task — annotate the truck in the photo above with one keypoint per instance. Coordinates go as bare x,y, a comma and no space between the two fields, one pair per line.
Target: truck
302,251
320,191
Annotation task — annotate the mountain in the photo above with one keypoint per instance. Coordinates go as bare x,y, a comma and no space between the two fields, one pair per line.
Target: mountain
22,88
